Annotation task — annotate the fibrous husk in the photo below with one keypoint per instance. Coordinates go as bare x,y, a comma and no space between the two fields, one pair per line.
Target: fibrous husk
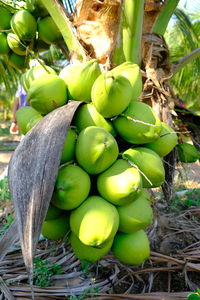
97,25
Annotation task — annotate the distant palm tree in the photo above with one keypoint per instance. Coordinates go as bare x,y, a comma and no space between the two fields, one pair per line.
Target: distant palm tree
182,38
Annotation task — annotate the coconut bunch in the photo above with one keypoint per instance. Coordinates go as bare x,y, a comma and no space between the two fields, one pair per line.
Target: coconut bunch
28,29
112,153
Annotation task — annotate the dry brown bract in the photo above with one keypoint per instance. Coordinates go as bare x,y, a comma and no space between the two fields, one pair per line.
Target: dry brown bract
97,23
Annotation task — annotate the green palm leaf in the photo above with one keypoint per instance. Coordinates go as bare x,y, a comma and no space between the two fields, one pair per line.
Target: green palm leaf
182,38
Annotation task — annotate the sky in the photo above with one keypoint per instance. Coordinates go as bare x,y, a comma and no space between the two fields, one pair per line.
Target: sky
189,4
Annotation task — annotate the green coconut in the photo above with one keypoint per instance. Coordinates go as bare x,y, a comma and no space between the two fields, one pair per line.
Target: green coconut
80,79
24,115
133,73
18,62
68,152
87,115
34,73
136,215
36,8
95,221
111,94
33,121
120,184
131,248
56,229
15,44
48,30
166,142
96,149
40,46
72,187
24,25
4,47
87,253
53,212
149,163
47,93
5,18
187,153
138,124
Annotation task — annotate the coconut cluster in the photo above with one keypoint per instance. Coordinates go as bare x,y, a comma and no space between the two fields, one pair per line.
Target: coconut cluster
28,29
112,153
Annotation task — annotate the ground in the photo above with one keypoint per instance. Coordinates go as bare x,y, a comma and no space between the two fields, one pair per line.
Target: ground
171,272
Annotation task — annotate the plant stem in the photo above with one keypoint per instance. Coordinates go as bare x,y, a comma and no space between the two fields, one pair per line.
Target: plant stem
185,60
128,47
65,26
133,12
164,16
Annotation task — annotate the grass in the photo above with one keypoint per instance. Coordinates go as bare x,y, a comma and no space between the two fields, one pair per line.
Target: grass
43,272
186,199
4,192
7,221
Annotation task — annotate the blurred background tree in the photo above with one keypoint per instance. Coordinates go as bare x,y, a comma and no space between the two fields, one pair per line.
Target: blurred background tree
182,37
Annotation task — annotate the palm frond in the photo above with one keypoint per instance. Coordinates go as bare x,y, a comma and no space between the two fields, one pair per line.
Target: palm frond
182,38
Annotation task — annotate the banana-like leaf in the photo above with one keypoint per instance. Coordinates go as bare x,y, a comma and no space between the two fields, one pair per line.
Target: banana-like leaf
32,174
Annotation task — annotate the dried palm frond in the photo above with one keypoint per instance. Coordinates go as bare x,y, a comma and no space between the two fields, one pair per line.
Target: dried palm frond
32,174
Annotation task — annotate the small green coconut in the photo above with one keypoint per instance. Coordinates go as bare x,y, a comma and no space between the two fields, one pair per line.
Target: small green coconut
24,115
18,62
148,163
72,187
48,30
5,18
47,93
138,124
166,142
187,153
120,184
95,221
96,149
4,47
133,73
87,253
53,212
136,215
87,115
15,44
68,152
131,248
80,79
34,73
24,25
111,94
56,229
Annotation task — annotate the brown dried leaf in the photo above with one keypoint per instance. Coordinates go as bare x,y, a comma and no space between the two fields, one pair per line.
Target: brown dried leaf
32,173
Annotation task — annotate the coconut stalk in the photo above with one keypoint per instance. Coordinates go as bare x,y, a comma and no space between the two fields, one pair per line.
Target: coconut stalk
163,18
64,25
131,32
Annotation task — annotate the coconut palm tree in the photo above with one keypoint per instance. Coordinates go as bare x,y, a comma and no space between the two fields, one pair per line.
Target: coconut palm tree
182,38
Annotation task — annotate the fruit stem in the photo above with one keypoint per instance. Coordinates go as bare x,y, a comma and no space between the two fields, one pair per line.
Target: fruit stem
129,43
135,166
